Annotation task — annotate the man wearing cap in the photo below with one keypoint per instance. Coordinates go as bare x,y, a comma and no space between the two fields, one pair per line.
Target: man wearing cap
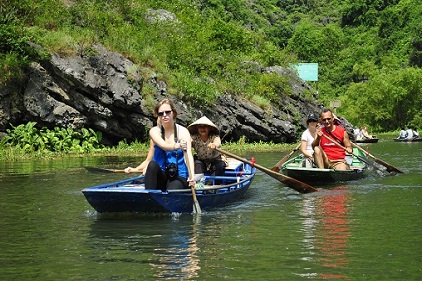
205,138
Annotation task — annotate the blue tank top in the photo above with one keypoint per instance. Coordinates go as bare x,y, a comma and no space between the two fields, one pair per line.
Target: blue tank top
163,158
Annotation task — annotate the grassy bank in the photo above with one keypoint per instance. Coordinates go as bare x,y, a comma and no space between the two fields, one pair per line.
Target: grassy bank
140,149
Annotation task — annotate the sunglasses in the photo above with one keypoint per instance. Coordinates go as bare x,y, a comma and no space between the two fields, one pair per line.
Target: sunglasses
326,119
166,112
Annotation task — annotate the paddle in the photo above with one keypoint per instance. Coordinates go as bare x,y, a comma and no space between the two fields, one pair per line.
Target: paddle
345,149
102,170
276,167
196,207
290,182
390,168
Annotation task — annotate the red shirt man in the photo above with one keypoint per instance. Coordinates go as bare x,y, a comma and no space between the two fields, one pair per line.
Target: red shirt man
331,149
328,154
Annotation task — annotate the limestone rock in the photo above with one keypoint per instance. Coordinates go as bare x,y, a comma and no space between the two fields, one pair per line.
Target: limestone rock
104,91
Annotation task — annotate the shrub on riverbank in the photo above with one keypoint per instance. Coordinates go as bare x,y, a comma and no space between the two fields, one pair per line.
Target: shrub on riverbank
29,139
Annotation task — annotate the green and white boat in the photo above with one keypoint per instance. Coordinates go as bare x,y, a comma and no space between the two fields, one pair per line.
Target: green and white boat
296,169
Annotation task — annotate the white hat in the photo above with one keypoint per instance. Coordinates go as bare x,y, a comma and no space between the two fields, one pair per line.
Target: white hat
193,128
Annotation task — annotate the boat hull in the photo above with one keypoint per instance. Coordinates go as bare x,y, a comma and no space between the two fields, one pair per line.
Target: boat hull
131,196
315,175
373,140
293,168
408,140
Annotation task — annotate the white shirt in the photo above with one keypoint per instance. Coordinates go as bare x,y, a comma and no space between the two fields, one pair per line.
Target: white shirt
358,134
307,136
409,133
402,134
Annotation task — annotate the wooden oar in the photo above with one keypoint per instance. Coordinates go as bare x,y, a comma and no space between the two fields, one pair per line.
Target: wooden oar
196,207
345,149
276,167
290,182
102,170
390,168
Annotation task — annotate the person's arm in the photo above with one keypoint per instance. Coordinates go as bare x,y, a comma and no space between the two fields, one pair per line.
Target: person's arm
316,141
347,143
155,134
143,166
215,143
186,139
303,146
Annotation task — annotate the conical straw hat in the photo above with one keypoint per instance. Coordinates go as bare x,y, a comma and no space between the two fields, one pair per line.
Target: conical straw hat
193,128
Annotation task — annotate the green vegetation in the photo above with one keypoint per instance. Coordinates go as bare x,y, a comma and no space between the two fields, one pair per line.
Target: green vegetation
369,51
26,142
28,139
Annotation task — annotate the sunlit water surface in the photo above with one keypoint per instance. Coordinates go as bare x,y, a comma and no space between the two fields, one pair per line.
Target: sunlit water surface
364,230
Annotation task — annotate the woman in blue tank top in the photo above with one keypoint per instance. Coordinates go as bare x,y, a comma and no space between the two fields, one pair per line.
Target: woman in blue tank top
165,166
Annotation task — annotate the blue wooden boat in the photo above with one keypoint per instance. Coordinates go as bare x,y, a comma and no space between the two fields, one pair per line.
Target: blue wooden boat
295,169
130,195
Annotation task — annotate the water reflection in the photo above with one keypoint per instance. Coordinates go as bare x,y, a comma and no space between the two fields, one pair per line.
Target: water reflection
326,227
168,245
181,254
366,229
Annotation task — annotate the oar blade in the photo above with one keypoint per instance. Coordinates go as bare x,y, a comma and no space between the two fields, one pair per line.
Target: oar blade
291,182
275,169
277,166
102,170
196,207
390,168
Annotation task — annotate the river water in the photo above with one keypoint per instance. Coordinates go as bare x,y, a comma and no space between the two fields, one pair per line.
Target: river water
364,230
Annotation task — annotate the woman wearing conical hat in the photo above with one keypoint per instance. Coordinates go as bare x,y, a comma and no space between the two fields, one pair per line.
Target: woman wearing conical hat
205,138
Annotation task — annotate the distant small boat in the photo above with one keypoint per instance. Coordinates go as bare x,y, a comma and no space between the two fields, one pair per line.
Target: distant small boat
408,140
373,140
293,168
130,195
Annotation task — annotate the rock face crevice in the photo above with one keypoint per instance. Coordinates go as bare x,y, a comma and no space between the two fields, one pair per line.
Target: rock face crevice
104,91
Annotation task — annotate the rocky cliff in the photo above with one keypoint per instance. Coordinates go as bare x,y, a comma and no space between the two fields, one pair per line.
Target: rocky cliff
105,91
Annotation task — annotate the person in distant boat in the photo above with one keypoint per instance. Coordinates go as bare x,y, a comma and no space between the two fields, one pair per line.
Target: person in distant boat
165,167
357,134
364,133
326,153
205,139
415,134
402,134
409,133
307,139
